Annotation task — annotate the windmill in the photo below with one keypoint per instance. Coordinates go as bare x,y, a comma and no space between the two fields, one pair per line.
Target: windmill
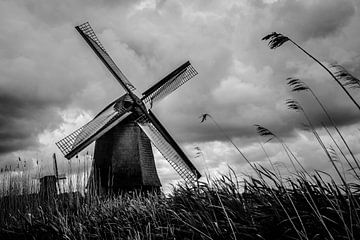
48,183
123,157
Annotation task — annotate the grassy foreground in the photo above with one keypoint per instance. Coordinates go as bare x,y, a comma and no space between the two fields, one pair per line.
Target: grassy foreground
296,208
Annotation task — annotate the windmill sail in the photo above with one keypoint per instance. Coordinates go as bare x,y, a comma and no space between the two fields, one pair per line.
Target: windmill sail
90,37
170,83
168,147
56,172
103,122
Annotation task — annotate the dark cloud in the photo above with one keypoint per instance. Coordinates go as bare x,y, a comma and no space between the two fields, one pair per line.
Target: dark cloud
62,12
22,119
39,77
312,19
51,82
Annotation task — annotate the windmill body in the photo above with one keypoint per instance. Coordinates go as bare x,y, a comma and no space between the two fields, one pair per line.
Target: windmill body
48,183
123,158
48,186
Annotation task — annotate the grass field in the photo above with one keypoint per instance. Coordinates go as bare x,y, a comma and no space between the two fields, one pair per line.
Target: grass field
265,207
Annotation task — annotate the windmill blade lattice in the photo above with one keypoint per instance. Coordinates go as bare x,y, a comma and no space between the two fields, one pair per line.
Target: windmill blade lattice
82,137
172,153
170,83
90,37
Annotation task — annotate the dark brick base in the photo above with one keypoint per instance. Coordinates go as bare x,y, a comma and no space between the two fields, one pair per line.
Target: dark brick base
124,161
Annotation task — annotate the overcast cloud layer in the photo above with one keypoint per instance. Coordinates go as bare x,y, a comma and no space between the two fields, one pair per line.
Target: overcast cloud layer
51,82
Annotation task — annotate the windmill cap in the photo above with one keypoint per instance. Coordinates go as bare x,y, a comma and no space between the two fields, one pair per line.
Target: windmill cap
124,102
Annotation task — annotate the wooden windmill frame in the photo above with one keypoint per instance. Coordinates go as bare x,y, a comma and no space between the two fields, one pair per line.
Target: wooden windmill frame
129,105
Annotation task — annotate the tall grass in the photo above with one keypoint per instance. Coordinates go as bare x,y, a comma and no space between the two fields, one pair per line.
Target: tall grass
277,39
222,208
299,86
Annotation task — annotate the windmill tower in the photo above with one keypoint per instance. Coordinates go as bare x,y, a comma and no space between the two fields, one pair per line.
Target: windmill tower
48,183
123,158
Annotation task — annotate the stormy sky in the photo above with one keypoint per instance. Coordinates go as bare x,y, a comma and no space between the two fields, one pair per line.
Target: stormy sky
51,82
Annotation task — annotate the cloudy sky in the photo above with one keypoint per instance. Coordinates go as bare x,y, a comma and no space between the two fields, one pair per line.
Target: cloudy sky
52,83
